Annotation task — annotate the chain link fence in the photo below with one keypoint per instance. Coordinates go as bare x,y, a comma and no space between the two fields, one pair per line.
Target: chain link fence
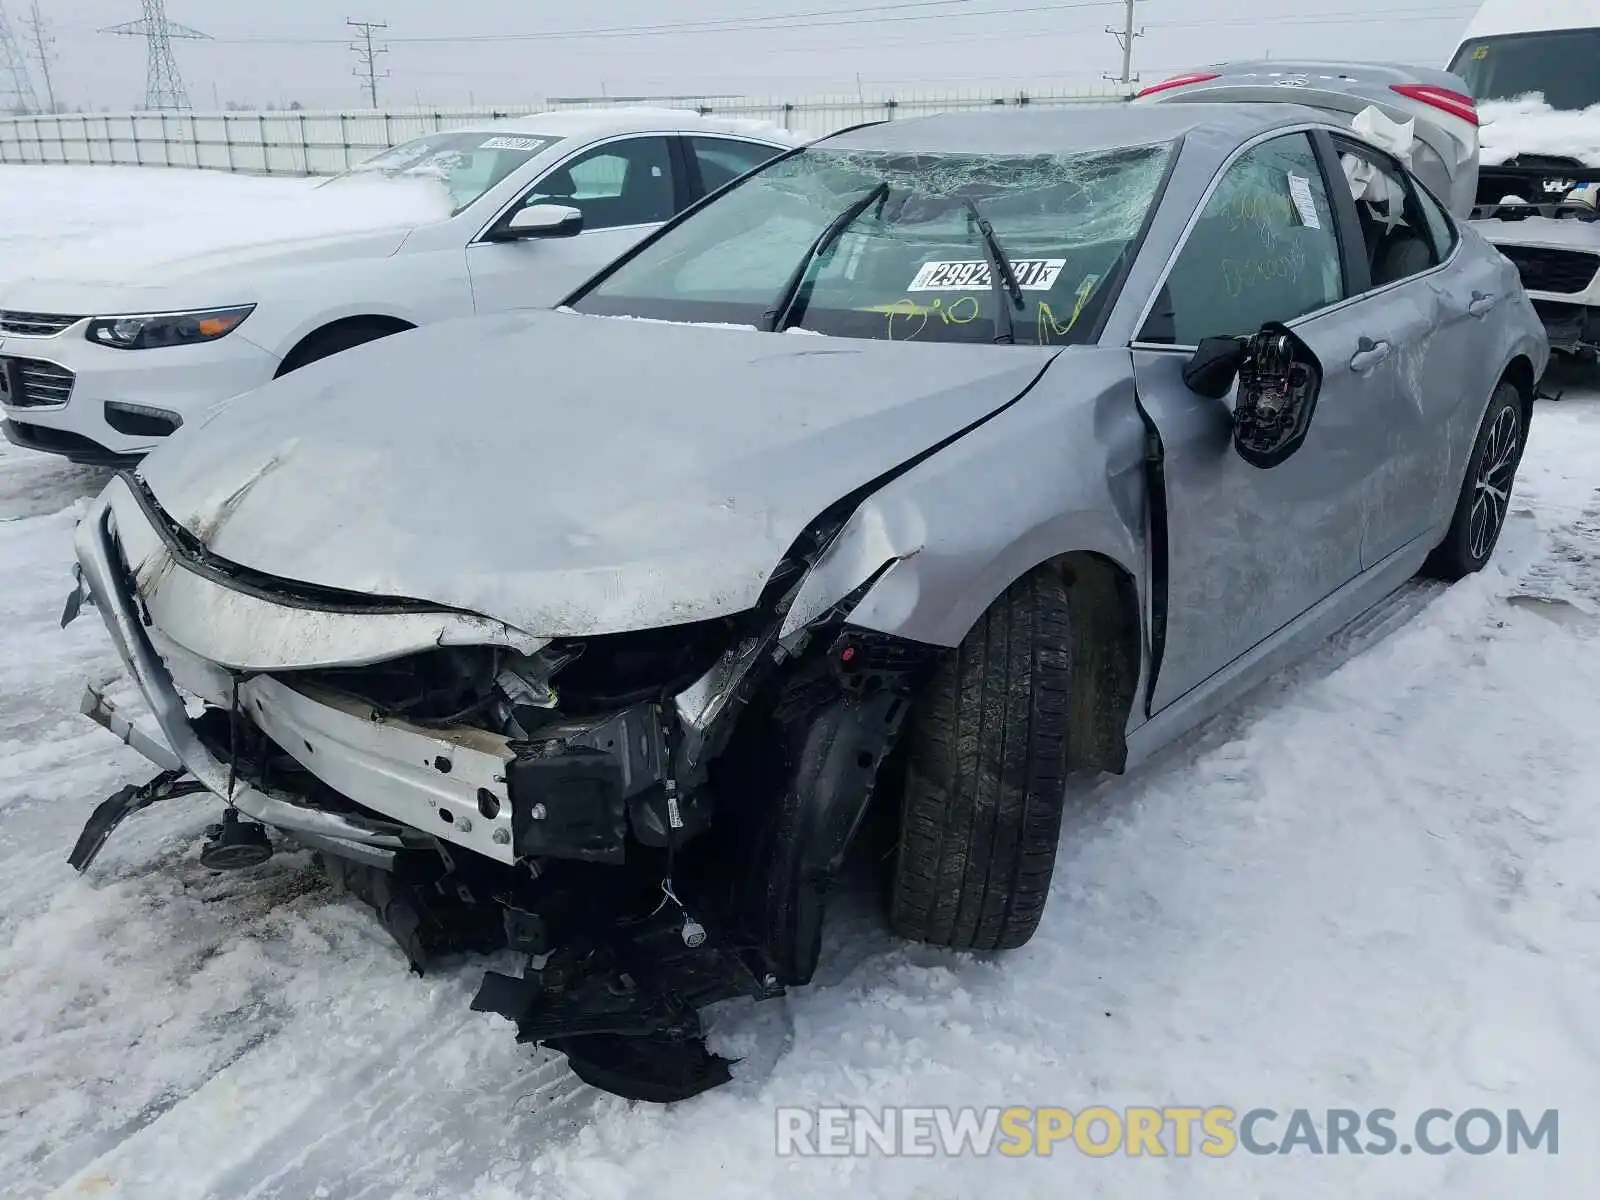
324,142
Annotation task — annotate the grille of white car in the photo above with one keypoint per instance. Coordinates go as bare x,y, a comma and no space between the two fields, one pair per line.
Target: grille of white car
33,383
1546,269
31,324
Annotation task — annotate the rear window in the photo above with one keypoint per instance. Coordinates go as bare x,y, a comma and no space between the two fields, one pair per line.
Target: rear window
1563,66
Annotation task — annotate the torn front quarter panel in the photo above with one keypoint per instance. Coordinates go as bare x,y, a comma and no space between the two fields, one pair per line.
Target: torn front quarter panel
592,506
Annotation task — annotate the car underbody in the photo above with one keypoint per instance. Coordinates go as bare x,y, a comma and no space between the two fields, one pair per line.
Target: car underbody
579,803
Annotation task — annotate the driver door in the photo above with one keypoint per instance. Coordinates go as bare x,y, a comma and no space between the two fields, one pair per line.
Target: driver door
1249,550
625,188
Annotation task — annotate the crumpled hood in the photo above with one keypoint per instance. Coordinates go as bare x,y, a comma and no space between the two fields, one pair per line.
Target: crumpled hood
568,475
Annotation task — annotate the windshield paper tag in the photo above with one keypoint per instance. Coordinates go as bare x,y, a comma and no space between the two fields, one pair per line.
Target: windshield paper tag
1305,205
511,143
1034,274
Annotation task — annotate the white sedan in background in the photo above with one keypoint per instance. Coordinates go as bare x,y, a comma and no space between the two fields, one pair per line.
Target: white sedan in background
109,346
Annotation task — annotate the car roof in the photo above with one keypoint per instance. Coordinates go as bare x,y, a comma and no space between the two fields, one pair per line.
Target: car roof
1073,128
1499,17
603,122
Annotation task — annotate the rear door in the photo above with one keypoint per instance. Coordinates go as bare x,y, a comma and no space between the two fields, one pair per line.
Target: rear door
625,188
1249,550
1427,304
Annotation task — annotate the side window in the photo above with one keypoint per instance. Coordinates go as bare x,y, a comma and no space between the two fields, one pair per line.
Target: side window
1394,228
627,182
722,160
1440,227
1264,249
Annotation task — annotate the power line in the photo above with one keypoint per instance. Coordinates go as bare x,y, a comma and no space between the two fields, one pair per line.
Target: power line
367,55
752,24
1430,13
163,84
14,79
855,16
42,41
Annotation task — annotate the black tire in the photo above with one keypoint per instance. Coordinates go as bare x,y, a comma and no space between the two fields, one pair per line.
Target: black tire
986,774
331,341
1485,498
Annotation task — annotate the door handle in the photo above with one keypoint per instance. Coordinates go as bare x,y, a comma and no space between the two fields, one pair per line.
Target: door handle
1368,355
1482,304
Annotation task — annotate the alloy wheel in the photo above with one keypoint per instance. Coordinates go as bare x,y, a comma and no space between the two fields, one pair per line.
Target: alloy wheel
1491,496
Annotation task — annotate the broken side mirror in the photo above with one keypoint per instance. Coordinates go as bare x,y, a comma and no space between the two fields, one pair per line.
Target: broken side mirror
1279,381
1215,366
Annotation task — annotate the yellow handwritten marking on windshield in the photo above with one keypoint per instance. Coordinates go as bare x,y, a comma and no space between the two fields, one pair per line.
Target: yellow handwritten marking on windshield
1049,327
961,311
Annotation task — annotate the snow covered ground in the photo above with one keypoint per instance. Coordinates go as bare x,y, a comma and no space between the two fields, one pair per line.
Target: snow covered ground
1376,885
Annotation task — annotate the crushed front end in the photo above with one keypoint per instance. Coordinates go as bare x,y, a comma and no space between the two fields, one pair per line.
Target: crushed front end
653,818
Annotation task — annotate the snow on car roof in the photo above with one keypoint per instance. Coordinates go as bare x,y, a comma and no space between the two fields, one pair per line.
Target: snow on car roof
1071,128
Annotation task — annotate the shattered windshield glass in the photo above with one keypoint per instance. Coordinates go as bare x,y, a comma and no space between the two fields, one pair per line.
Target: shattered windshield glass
913,264
1563,67
469,164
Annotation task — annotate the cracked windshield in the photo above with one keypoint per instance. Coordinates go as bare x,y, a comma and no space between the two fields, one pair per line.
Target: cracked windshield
903,247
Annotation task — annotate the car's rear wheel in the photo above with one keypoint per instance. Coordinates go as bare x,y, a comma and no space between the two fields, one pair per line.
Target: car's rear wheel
1485,497
985,777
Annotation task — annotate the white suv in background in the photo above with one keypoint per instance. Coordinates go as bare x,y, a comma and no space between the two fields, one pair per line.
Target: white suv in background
109,346
1535,71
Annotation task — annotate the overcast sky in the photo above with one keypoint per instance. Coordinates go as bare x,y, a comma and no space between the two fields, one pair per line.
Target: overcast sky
798,46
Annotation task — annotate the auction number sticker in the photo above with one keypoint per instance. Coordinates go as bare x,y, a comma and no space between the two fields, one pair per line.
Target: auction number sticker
511,143
1034,274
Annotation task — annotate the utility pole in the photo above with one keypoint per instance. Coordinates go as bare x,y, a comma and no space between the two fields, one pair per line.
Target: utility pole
367,55
1125,38
42,41
16,87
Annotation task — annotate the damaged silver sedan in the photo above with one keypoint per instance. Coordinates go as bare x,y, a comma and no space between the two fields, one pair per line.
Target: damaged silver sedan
865,504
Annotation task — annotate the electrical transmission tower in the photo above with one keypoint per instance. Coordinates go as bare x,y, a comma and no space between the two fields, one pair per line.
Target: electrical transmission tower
16,86
163,85
367,55
1125,38
42,41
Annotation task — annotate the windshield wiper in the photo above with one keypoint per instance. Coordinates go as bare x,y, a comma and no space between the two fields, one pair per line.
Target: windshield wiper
1001,275
790,302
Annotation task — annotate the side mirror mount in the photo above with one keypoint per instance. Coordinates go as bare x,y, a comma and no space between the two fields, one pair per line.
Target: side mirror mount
1279,381
541,221
1215,366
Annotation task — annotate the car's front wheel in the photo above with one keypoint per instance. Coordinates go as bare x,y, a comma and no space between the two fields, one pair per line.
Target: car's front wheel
985,777
335,339
1485,497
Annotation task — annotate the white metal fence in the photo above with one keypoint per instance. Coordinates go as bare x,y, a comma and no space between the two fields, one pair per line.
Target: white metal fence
323,143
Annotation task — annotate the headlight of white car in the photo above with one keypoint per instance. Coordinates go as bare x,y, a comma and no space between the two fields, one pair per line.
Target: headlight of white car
147,332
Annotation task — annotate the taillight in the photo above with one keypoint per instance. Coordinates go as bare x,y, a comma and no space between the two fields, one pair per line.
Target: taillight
1454,103
1178,81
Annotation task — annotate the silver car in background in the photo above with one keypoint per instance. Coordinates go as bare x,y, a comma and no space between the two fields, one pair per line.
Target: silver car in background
938,462
1445,156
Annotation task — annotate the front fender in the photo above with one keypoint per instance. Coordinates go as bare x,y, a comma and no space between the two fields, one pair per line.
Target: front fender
1060,471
